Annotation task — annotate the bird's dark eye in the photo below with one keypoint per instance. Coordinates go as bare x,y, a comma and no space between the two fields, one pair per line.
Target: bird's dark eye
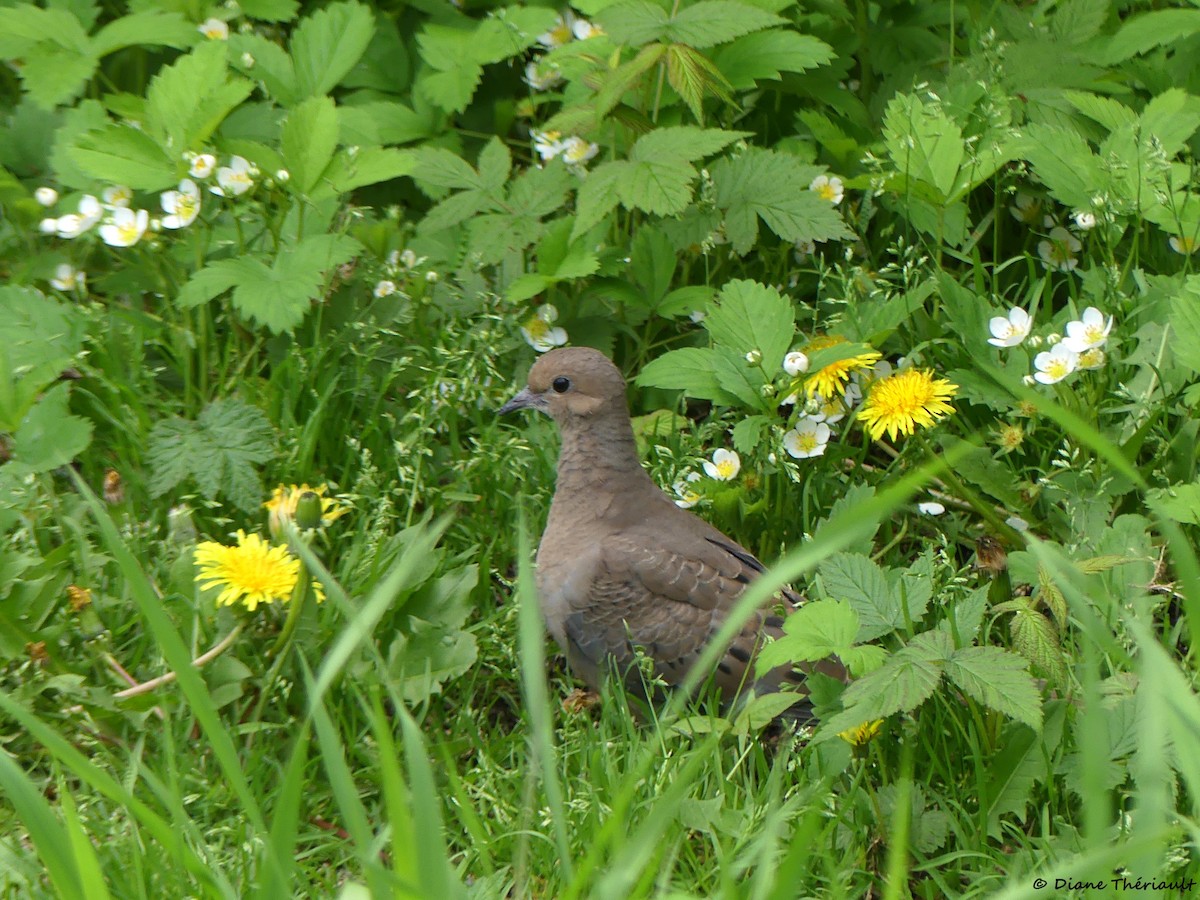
561,384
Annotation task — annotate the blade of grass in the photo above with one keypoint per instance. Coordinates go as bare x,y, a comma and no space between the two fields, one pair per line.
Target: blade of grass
50,838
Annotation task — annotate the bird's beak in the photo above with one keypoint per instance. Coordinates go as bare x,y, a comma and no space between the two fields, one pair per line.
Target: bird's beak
527,399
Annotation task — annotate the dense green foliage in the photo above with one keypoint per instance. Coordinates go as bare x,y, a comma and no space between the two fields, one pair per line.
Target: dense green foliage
270,242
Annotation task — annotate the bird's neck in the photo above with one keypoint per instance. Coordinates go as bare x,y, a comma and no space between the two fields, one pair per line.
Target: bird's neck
600,457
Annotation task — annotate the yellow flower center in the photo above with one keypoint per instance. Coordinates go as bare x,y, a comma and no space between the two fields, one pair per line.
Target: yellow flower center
827,192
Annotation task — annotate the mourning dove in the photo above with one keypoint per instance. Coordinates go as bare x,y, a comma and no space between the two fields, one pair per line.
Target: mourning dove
620,566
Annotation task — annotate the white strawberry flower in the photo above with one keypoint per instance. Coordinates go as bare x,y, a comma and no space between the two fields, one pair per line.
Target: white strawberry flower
687,498
67,278
1059,249
117,197
795,363
1055,365
828,188
235,179
809,438
46,196
214,29
724,466
1089,332
1011,330
576,151
181,206
202,165
539,331
125,228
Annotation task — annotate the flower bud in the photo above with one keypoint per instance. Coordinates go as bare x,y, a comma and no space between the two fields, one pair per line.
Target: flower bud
308,511
47,196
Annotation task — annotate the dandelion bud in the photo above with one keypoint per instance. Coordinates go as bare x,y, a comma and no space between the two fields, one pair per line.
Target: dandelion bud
308,511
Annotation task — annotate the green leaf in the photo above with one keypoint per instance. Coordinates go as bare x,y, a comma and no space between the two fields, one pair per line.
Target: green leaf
1063,161
206,284
701,25
768,54
1035,638
818,629
662,188
381,122
750,316
272,65
999,680
738,378
153,27
53,75
1144,32
682,144
598,195
327,44
121,154
748,432
436,167
308,139
1185,322
690,370
49,436
712,22
1179,502
188,100
270,10
855,578
373,165
218,451
692,75
772,186
42,337
924,144
906,680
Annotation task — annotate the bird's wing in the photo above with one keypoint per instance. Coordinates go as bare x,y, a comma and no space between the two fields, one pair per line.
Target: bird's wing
669,593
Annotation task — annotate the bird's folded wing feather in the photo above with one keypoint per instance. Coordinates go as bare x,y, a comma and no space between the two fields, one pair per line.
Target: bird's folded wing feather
668,594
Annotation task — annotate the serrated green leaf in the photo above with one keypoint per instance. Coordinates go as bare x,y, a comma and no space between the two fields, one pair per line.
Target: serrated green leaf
712,22
768,54
495,164
373,165
906,680
1035,638
682,144
308,139
270,10
662,188
924,144
327,44
856,579
692,75
54,75
525,286
614,84
634,23
455,209
121,154
154,27
689,370
1063,161
382,122
1104,563
999,680
186,101
968,617
206,284
1144,32
773,186
49,436
598,196
749,316
748,432
272,65
1185,322
439,168
218,451
818,629
739,379
1179,502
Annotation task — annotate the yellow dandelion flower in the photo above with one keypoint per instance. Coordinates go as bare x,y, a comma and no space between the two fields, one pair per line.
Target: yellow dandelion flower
861,734
251,573
899,403
282,506
831,380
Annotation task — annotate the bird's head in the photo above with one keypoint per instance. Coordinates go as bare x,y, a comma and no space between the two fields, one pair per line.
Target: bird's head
571,382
